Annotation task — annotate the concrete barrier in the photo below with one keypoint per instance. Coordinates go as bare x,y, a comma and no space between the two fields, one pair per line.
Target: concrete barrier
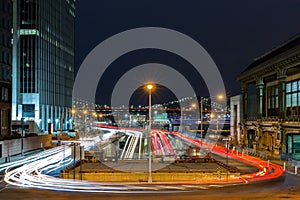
13,146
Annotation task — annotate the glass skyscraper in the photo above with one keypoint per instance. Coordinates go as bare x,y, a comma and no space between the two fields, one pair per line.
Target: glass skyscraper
43,62
5,65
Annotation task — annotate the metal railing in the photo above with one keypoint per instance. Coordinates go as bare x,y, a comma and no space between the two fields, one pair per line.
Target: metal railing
253,152
295,118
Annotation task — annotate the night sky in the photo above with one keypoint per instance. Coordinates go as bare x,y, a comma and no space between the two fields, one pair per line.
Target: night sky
233,32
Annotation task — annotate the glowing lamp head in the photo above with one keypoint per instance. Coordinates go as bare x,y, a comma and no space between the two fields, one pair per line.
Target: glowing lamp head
220,97
149,86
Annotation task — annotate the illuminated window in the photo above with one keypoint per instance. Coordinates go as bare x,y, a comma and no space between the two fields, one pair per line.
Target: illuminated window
293,94
288,100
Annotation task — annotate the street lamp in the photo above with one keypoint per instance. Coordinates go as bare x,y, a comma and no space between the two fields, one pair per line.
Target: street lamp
226,139
150,87
227,160
201,118
220,98
22,136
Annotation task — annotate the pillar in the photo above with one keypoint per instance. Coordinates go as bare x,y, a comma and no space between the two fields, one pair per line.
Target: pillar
51,110
245,134
48,119
259,138
42,117
283,141
67,117
245,100
281,76
260,96
59,117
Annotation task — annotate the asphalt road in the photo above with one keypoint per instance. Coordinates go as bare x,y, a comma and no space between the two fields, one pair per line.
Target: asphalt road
286,188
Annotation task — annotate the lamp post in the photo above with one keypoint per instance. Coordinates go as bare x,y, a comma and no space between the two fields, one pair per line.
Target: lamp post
219,97
226,139
22,136
227,160
150,87
201,118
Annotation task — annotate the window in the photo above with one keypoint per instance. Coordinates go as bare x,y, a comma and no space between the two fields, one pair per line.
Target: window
272,97
272,101
4,96
288,100
293,94
28,110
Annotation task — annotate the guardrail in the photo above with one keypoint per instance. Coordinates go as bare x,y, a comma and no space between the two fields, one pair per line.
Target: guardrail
253,152
294,163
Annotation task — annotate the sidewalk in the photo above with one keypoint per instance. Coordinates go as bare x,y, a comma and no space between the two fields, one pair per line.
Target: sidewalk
288,168
264,156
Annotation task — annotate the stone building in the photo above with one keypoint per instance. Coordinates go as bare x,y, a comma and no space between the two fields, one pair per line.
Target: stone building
271,101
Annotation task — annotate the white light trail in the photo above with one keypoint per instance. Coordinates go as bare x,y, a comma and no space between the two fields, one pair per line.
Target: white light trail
33,171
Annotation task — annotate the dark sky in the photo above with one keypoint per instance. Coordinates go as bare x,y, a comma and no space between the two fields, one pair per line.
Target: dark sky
233,32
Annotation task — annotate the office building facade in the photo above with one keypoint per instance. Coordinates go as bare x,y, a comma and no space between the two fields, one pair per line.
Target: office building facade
43,62
5,65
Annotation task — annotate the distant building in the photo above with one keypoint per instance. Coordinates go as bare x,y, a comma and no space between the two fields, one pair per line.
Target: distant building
5,65
236,114
271,120
43,61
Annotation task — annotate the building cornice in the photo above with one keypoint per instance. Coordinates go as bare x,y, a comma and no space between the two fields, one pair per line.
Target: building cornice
285,61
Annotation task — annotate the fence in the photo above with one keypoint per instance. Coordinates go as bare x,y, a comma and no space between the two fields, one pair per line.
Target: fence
14,146
253,152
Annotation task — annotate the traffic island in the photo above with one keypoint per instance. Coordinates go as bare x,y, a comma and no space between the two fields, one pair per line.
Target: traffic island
137,172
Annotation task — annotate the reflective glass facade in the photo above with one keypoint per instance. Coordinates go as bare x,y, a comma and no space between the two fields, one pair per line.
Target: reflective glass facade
5,65
44,68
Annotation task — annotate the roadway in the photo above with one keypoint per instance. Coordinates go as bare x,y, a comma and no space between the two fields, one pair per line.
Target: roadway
286,187
41,170
35,173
